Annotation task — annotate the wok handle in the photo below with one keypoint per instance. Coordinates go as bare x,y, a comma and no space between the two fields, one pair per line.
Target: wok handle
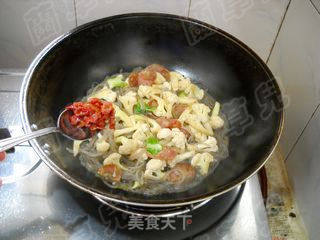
8,143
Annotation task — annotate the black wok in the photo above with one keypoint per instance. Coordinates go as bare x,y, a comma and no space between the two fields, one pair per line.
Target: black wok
230,71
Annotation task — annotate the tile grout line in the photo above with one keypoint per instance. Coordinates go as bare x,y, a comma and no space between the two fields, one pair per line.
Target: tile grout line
75,12
12,73
318,11
312,115
300,135
274,42
189,8
9,91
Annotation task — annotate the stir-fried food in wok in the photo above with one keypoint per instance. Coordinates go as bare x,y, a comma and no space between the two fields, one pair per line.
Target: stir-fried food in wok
154,131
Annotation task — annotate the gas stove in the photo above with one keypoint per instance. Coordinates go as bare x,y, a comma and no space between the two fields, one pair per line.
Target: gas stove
37,204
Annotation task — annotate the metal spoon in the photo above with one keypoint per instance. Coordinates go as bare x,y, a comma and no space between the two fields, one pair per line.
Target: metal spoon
63,126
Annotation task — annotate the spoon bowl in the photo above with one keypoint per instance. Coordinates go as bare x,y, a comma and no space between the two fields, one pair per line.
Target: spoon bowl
70,131
63,126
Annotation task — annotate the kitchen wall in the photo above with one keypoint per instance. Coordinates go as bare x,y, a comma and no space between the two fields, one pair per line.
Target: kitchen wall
284,33
28,25
295,60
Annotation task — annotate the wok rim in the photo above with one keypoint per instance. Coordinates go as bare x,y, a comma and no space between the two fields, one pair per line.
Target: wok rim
149,203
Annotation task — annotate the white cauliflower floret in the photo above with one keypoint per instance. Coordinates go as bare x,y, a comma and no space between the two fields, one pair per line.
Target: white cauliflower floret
210,145
164,133
202,161
129,145
216,122
160,110
160,79
178,139
185,85
208,126
166,86
123,131
76,147
216,109
196,92
186,100
169,99
141,132
184,115
140,154
128,100
147,91
155,164
198,136
195,121
106,94
181,157
202,111
153,169
179,82
119,114
191,147
114,158
175,137
102,146
154,126
174,80
144,91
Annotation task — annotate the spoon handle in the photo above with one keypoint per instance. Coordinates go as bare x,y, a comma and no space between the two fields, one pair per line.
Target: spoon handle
8,143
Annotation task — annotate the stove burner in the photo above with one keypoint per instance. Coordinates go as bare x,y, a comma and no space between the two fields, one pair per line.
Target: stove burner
224,201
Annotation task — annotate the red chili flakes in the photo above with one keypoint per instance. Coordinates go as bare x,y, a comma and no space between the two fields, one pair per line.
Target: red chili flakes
93,114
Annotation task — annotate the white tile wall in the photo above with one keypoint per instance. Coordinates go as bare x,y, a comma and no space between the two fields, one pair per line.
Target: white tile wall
304,168
27,26
254,22
88,10
10,83
295,60
316,3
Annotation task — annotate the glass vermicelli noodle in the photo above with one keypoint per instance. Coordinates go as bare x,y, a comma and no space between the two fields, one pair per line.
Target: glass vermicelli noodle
168,132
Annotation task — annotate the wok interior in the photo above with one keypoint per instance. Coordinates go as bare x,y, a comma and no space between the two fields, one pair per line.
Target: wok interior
209,57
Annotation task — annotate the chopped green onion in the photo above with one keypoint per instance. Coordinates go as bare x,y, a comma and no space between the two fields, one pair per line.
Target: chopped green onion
137,108
153,145
182,94
149,108
116,81
142,108
136,185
